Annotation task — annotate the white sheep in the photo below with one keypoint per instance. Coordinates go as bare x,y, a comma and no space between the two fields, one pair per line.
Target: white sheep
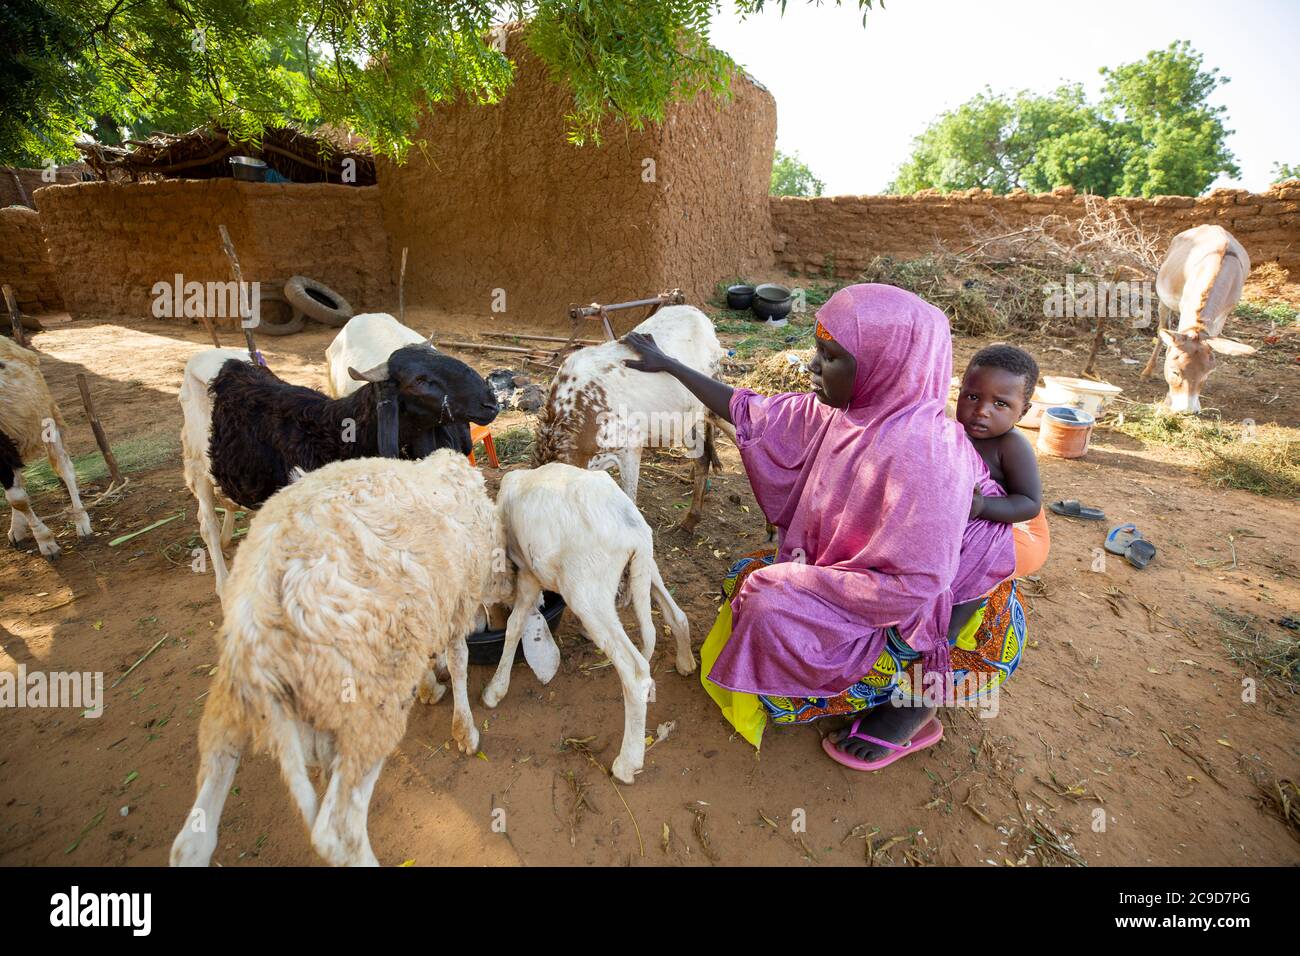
600,413
364,342
574,532
30,423
345,586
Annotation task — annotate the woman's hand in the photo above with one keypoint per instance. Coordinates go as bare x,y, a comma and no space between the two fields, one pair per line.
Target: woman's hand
976,504
651,358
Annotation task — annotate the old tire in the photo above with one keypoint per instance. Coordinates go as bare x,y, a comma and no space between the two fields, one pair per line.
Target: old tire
317,301
295,324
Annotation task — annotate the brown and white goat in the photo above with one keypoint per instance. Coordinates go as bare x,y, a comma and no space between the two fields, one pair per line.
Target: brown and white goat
30,423
599,413
1201,281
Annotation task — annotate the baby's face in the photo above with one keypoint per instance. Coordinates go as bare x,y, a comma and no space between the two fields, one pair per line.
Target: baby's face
992,400
834,371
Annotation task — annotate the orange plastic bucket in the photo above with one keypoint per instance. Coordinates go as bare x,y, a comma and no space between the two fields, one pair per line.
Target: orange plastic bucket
1064,432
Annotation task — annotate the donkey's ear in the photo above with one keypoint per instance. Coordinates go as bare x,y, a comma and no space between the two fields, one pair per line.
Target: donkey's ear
1230,347
377,374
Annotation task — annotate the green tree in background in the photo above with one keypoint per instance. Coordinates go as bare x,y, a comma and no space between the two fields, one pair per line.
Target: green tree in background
1153,132
1285,171
792,177
69,66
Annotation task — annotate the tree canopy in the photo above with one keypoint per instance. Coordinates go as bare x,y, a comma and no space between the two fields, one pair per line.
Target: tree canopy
1284,171
792,177
1153,132
371,66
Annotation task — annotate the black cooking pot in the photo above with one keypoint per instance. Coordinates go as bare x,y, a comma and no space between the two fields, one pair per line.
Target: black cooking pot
739,297
769,310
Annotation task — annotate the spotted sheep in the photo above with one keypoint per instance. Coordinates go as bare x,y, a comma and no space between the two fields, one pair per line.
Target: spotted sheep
1200,281
600,413
31,424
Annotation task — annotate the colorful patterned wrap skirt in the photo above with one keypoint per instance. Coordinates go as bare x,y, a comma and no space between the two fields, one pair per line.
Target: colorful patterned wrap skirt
986,653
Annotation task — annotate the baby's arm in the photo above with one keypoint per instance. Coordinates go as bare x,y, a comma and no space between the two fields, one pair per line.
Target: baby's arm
1020,478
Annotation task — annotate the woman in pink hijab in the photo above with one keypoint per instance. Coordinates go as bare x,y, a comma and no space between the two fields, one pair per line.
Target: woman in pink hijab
870,485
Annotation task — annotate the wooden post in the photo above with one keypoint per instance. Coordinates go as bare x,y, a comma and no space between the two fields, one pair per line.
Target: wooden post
15,316
401,290
100,439
1098,340
239,286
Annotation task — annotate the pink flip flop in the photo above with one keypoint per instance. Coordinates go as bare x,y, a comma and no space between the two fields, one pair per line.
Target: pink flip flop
927,736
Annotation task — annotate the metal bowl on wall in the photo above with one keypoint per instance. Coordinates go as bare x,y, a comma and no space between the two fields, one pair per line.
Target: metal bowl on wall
248,169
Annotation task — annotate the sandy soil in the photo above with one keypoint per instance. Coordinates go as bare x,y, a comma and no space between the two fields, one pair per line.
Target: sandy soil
1127,701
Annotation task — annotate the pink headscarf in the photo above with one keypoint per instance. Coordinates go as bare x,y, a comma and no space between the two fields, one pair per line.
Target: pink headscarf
872,501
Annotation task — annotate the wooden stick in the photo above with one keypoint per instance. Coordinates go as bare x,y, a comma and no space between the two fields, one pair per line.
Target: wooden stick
22,191
540,338
239,286
488,347
97,428
401,290
1097,341
15,316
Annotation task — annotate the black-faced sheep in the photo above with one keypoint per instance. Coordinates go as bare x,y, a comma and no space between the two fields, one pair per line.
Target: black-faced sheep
350,578
246,431
31,424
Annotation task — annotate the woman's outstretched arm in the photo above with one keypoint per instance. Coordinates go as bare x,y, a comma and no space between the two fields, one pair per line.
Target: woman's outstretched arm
715,395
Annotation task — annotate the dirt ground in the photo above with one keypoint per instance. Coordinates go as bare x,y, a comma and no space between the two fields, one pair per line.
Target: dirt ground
1127,701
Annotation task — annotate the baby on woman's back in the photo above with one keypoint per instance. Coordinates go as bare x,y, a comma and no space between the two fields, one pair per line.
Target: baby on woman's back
995,392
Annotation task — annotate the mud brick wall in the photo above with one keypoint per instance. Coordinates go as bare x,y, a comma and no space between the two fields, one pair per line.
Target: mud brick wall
500,200
23,263
33,179
848,231
108,243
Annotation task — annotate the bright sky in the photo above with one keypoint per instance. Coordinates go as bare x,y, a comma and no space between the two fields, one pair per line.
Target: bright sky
849,99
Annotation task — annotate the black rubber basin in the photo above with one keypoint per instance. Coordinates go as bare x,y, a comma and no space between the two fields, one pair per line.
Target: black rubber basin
485,647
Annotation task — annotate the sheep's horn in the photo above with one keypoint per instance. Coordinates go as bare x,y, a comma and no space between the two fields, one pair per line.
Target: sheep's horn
377,374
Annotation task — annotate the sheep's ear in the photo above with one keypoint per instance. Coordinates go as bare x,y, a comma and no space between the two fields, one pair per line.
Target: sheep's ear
377,374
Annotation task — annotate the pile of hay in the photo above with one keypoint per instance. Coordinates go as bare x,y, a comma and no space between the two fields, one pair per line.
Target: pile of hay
1261,458
1001,277
780,372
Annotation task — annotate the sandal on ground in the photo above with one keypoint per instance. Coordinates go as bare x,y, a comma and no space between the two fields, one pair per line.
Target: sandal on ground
1126,540
927,736
1140,553
1071,508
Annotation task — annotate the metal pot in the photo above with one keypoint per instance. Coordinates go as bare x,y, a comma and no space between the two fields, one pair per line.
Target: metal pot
248,169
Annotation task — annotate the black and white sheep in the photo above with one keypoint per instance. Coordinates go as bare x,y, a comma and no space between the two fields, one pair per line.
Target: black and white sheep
246,431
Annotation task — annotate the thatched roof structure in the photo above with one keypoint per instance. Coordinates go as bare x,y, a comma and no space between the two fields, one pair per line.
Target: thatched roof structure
204,154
